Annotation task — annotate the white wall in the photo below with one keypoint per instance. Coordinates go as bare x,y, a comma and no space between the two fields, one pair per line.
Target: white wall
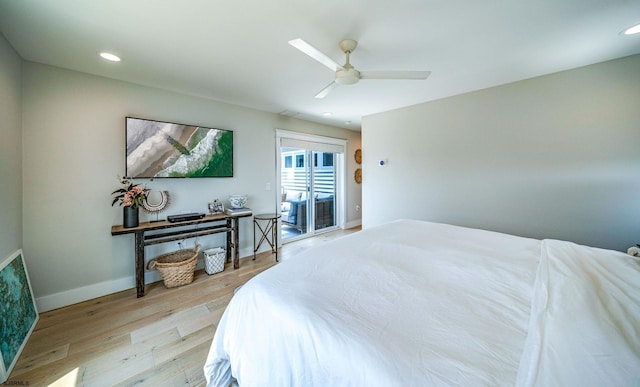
556,156
73,131
10,152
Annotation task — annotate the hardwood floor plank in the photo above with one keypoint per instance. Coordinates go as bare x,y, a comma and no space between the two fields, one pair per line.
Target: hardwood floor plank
168,322
203,321
166,338
168,376
166,353
39,359
161,339
114,367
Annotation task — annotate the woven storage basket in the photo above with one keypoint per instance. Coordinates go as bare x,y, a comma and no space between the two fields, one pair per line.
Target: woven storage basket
176,268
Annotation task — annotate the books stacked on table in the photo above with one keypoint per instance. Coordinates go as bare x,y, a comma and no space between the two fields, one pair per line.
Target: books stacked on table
238,211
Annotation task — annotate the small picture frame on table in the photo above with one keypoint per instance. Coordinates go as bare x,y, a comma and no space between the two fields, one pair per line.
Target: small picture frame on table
216,207
18,311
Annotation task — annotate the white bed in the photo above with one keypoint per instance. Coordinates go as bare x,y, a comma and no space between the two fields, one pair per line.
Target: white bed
415,303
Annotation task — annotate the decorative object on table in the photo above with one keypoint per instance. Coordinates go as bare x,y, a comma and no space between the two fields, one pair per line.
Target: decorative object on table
358,156
18,312
185,217
130,217
131,197
155,206
238,201
214,260
238,211
176,268
357,176
216,207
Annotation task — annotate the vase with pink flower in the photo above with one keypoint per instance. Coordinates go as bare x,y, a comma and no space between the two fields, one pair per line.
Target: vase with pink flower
131,196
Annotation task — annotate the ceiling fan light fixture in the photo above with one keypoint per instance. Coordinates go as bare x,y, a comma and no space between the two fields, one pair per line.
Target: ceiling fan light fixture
347,76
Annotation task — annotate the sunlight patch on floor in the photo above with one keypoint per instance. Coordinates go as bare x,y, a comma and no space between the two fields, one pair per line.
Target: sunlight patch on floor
69,380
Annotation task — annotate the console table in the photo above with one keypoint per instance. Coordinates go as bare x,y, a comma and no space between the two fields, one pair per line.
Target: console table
151,233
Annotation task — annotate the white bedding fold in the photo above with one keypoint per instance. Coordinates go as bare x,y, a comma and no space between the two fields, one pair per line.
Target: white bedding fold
585,319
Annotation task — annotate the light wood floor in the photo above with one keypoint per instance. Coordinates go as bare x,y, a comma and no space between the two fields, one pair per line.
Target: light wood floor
161,339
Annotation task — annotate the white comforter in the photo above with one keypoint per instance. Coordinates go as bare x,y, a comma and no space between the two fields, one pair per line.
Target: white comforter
415,303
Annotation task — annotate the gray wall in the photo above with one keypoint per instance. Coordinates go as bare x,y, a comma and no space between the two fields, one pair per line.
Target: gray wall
556,156
73,131
10,152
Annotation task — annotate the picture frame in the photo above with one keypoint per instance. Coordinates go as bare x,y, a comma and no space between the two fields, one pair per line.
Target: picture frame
18,311
216,207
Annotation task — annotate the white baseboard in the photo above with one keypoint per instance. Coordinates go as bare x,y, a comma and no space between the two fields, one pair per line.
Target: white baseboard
73,296
85,293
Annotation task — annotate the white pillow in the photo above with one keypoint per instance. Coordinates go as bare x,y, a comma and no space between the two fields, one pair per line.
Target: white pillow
293,196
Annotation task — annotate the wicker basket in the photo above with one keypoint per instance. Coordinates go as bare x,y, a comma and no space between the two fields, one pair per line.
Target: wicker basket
176,268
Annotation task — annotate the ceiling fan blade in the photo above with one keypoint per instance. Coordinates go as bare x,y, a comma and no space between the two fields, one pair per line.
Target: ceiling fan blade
323,93
394,74
315,54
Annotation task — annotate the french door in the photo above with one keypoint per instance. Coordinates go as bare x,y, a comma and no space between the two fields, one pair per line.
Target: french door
311,180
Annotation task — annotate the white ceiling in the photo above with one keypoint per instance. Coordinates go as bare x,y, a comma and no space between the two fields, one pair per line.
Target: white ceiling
236,51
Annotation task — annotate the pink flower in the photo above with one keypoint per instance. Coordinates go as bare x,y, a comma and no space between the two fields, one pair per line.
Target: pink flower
130,194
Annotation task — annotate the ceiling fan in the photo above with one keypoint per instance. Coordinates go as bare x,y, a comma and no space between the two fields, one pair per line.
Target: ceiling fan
347,74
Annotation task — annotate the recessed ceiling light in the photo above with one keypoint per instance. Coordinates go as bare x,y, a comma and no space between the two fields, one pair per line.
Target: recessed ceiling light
110,57
347,122
327,114
632,30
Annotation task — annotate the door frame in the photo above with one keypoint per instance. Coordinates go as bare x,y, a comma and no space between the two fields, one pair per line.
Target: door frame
340,176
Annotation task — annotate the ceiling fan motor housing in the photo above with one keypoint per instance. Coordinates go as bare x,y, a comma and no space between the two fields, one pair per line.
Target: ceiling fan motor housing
347,76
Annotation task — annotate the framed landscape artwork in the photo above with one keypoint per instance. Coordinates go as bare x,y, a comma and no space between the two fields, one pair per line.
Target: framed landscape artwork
18,312
159,149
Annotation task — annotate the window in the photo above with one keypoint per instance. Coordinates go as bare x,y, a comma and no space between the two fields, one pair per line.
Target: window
288,162
299,161
327,159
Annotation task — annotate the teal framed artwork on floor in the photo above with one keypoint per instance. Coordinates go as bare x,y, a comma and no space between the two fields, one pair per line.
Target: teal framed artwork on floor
18,312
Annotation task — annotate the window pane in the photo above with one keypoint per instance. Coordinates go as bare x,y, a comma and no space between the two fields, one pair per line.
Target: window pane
327,159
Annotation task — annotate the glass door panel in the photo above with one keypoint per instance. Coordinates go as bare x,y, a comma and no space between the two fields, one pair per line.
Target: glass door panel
295,181
308,183
324,190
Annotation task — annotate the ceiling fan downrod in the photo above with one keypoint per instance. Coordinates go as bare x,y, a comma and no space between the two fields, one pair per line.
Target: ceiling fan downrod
347,75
